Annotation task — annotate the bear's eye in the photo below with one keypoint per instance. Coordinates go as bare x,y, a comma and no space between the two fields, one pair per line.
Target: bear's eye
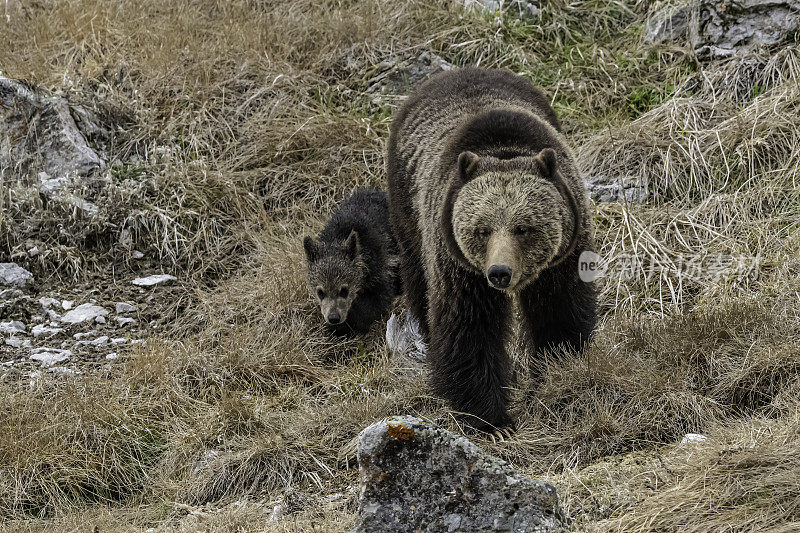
343,292
482,232
320,294
522,230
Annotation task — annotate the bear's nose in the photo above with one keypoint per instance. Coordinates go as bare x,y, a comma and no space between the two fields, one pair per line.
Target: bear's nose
334,318
499,276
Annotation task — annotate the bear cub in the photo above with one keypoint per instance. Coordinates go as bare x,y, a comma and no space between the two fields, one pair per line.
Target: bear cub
352,265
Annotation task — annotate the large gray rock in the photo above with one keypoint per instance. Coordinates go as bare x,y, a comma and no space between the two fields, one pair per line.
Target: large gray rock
719,28
39,134
417,477
725,26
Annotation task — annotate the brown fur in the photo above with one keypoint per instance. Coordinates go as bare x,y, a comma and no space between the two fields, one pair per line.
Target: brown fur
479,174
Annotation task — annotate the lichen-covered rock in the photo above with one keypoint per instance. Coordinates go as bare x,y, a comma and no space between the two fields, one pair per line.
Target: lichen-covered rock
39,134
722,28
725,26
417,477
395,77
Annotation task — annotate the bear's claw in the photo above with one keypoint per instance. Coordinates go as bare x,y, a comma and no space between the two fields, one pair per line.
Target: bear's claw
500,435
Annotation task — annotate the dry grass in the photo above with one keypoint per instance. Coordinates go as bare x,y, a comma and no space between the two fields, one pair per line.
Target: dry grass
239,125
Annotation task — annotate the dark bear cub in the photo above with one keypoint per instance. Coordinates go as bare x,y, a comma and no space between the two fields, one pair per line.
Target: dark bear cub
352,265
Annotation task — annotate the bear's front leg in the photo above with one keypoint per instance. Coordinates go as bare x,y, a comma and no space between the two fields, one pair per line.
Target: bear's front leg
559,309
469,365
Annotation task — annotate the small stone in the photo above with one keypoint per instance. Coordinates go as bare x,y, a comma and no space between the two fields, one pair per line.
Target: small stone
124,321
124,307
136,254
11,327
34,378
13,275
41,329
99,341
47,302
82,334
64,371
119,340
49,356
83,313
156,279
100,319
18,343
53,316
112,355
693,438
66,305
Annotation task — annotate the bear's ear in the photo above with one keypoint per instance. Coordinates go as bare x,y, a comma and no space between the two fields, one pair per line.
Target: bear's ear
546,159
467,164
311,248
547,163
352,245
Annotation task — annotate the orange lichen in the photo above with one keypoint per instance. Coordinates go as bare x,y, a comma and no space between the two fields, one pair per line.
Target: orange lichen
400,432
379,476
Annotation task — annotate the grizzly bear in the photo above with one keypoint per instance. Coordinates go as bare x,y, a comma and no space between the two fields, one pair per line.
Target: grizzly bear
352,265
490,212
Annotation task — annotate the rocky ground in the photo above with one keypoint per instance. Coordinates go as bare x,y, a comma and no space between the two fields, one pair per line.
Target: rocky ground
66,330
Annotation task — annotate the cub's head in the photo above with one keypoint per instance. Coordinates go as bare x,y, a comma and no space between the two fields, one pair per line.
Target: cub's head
510,218
336,272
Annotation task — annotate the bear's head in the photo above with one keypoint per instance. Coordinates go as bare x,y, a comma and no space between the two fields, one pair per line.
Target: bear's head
510,219
336,272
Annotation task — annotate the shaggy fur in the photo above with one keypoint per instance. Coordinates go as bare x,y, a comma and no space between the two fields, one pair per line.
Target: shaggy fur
480,177
352,266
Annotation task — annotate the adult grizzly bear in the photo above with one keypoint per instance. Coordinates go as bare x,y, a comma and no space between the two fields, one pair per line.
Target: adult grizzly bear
487,205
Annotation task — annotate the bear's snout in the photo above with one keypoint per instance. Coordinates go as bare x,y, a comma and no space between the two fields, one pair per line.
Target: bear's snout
499,276
334,317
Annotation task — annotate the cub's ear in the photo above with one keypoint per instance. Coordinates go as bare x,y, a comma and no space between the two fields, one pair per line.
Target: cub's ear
311,248
546,159
467,164
352,245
